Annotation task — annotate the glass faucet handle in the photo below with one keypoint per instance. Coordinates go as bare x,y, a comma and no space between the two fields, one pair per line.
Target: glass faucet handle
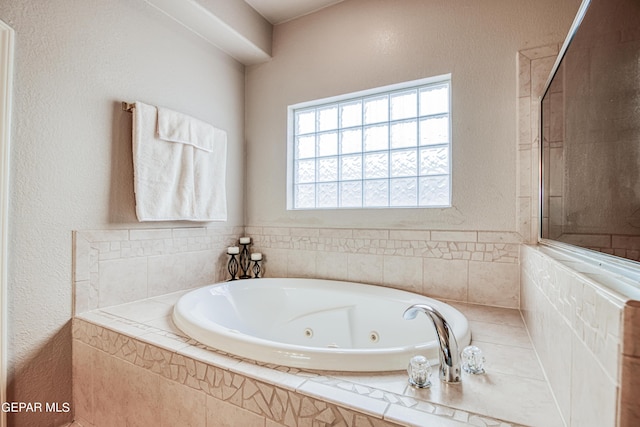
473,360
419,371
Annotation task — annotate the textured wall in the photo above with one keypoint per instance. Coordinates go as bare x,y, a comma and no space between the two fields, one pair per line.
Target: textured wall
360,44
71,155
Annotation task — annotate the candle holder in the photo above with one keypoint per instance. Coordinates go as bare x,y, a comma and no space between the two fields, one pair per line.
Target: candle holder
232,265
245,260
256,258
256,269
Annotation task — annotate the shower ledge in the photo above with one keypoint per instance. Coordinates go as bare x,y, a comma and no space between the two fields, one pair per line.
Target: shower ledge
513,392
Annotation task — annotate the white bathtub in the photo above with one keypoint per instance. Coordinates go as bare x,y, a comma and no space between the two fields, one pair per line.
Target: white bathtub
314,324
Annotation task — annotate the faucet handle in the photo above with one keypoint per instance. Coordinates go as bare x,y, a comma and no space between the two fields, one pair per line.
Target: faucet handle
473,360
419,371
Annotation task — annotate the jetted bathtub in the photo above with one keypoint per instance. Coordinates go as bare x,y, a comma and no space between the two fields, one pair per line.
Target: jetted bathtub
314,324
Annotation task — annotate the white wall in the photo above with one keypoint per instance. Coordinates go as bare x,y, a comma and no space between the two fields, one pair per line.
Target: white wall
71,155
360,44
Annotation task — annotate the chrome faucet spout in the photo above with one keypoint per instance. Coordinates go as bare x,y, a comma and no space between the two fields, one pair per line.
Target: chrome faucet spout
449,354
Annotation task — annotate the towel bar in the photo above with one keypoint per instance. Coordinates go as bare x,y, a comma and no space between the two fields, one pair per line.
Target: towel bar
128,106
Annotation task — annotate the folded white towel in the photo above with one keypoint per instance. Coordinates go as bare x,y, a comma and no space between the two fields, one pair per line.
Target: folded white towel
178,127
178,180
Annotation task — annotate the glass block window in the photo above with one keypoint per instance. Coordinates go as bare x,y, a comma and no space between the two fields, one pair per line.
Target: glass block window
383,148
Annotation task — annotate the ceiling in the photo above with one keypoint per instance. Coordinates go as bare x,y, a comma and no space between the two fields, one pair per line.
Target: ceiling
279,11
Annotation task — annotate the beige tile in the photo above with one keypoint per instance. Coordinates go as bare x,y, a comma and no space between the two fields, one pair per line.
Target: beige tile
454,236
403,273
332,265
189,232
344,398
510,360
104,235
122,280
268,375
498,237
412,417
305,232
507,316
410,235
554,346
365,268
141,311
302,264
208,356
447,279
540,71
499,333
340,233
517,399
223,414
201,268
85,297
143,392
494,283
275,263
181,405
81,254
110,391
524,75
593,394
82,380
150,234
363,233
392,382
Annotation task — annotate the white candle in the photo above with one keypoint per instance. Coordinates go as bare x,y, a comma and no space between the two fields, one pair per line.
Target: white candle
256,256
233,250
245,240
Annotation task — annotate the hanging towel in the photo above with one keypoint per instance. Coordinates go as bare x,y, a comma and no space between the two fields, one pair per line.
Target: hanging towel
178,127
181,177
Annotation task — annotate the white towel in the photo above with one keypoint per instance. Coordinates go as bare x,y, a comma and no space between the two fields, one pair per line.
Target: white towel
178,127
178,180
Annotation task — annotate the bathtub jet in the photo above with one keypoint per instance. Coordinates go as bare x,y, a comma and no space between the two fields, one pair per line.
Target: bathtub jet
314,324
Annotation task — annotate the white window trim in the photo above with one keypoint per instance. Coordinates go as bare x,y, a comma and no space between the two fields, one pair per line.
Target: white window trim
364,93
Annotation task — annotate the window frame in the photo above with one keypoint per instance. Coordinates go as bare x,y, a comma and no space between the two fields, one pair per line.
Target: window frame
383,90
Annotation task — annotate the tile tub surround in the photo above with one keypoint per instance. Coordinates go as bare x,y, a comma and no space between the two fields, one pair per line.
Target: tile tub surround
118,266
113,267
132,365
479,267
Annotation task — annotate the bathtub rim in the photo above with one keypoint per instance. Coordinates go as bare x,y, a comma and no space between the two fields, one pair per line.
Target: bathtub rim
321,358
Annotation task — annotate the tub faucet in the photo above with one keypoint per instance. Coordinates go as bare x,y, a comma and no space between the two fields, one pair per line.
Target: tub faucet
449,355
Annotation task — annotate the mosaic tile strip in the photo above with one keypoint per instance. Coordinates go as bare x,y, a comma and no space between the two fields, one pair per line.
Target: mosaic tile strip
476,246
